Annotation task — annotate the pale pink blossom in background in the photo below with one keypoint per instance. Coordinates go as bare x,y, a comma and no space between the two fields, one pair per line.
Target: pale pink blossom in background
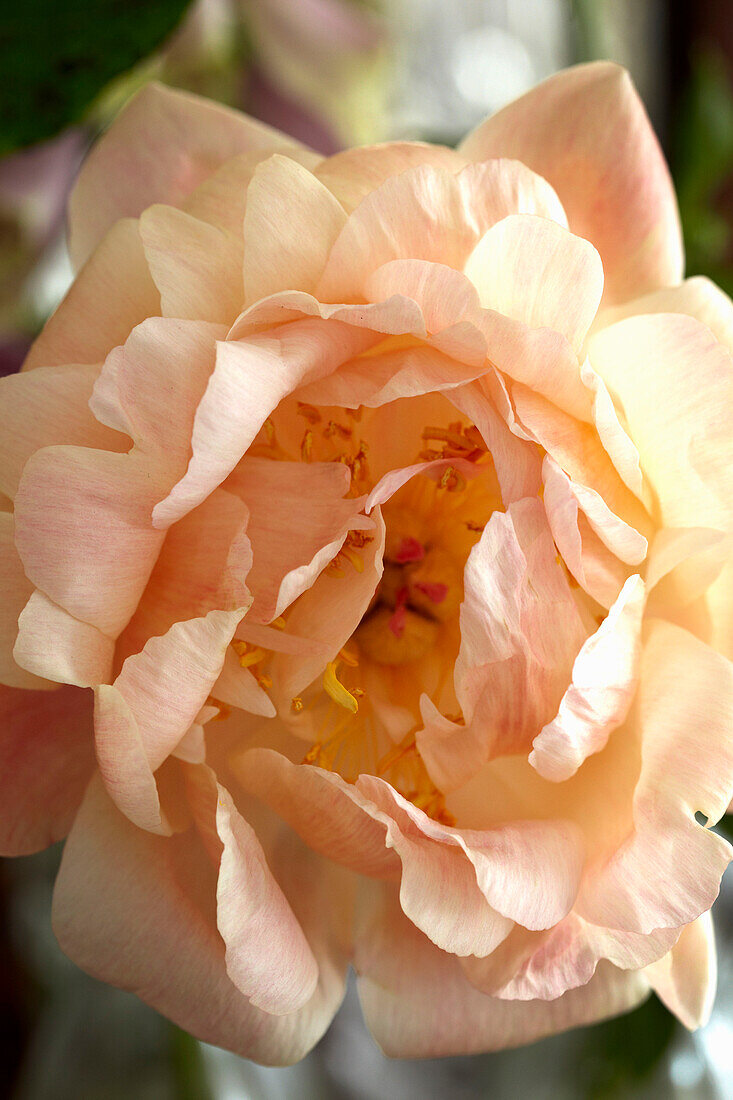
366,578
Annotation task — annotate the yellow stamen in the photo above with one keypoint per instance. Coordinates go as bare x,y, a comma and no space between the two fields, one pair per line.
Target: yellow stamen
247,656
310,412
278,623
297,704
306,446
353,557
313,754
348,658
334,428
333,686
269,429
452,481
264,681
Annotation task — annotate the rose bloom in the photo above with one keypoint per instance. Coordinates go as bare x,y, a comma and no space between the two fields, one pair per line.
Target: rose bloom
381,502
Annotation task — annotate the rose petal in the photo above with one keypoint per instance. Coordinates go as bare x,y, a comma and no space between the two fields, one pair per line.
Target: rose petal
586,131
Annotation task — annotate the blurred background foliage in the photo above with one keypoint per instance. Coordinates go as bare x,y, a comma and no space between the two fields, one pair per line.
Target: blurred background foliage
332,73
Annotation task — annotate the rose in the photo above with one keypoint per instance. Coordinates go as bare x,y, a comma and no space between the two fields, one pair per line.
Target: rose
386,517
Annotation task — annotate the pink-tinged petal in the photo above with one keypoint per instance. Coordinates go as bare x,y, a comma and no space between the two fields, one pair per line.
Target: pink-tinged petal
534,271
249,380
375,380
545,965
53,644
358,825
668,870
576,448
290,225
120,885
396,316
674,382
585,130
237,687
330,815
46,760
388,485
15,591
202,567
516,462
141,718
605,674
617,444
162,146
267,955
592,540
165,363
443,294
696,297
690,577
520,632
43,407
279,495
418,1003
527,871
112,293
419,214
328,613
196,266
686,978
84,534
354,173
496,188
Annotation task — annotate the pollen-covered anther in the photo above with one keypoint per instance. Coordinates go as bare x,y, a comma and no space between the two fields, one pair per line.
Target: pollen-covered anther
452,481
333,687
310,412
248,655
306,446
296,704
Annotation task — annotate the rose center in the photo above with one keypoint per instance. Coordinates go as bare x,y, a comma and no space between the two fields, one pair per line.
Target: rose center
421,588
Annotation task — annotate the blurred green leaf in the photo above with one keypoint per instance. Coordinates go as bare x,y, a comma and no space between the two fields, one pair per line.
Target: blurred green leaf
702,165
187,1067
57,55
625,1051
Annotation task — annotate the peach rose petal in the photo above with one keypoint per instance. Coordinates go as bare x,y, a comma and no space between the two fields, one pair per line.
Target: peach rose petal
46,761
142,716
118,884
685,979
697,297
418,1003
527,871
249,380
605,675
202,567
162,146
83,532
164,362
544,965
532,270
585,130
290,225
43,407
15,591
53,644
354,173
276,491
267,955
512,647
112,293
675,384
196,266
668,871
438,891
329,613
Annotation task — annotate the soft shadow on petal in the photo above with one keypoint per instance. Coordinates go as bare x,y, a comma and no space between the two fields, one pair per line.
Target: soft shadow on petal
586,131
